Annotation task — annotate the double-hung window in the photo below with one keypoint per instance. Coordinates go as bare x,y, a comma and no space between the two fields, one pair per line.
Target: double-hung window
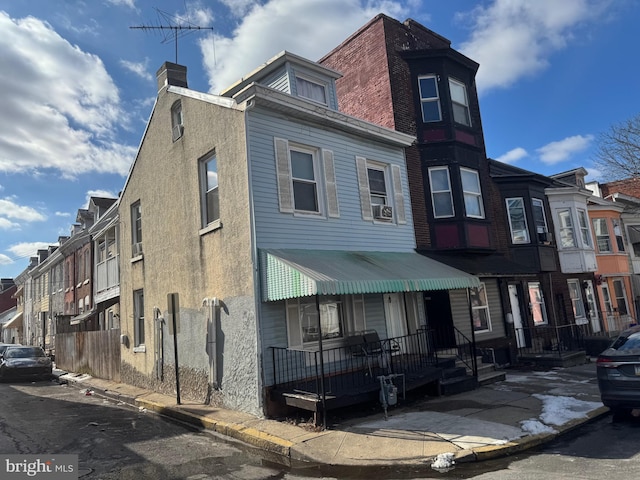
621,297
177,125
540,220
472,194
381,191
311,90
459,102
617,232
576,301
138,317
209,197
536,303
136,229
584,228
480,309
517,220
602,235
441,197
302,320
305,180
567,234
429,98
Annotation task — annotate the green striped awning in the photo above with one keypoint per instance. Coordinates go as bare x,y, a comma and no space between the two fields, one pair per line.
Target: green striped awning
302,273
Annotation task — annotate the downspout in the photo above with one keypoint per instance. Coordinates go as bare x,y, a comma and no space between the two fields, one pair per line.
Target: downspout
255,260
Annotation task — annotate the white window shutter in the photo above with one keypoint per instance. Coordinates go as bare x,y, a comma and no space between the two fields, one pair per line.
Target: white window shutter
363,187
333,209
398,195
285,195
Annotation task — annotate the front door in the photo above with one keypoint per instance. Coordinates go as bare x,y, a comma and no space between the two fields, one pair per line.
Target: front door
517,316
395,315
439,318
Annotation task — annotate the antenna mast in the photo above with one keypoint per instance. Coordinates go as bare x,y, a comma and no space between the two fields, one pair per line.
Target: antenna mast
176,28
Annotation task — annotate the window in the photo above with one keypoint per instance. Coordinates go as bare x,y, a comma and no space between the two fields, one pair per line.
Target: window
138,317
567,235
209,197
136,229
377,185
177,125
304,178
460,102
576,301
302,320
517,220
633,232
617,231
429,99
540,221
311,90
602,235
480,309
381,192
472,194
621,297
584,228
441,197
536,304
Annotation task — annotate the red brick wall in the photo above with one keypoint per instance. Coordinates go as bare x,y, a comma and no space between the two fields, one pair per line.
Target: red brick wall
629,186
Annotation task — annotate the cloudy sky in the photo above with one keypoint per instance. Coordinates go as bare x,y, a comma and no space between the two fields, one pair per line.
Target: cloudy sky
78,83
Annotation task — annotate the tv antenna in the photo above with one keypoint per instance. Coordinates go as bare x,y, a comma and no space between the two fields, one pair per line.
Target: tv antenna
171,28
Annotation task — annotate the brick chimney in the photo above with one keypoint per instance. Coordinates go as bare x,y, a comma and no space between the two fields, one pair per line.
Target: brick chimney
171,74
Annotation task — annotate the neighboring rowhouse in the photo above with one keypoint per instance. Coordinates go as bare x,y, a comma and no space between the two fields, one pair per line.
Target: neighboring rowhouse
284,228
475,215
9,315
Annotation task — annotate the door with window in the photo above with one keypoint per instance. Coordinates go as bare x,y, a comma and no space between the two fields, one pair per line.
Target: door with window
516,312
395,315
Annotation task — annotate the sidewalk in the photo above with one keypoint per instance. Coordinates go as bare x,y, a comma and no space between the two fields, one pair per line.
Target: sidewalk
525,410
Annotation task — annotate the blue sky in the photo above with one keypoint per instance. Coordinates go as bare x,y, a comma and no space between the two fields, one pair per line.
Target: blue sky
78,84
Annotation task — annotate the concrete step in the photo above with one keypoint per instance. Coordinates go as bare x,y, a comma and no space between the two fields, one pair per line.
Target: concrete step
451,386
491,377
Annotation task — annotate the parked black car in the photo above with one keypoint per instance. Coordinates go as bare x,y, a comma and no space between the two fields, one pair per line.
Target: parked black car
4,346
618,369
25,362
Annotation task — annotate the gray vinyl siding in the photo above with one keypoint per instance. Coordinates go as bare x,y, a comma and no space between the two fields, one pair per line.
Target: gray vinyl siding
460,311
279,80
347,232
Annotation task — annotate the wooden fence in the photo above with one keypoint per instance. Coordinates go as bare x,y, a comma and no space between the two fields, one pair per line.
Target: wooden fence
96,353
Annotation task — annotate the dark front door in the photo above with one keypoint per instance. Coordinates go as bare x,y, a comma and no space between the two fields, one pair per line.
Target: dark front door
439,318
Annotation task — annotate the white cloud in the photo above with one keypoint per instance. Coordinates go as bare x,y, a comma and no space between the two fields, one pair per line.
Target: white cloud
556,152
512,156
515,38
138,68
4,260
287,25
27,249
10,209
239,7
65,95
6,224
126,3
62,214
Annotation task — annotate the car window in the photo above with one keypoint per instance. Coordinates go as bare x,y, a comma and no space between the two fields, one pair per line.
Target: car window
627,343
23,353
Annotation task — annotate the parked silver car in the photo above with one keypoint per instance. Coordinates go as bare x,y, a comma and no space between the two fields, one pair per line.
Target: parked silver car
618,370
25,362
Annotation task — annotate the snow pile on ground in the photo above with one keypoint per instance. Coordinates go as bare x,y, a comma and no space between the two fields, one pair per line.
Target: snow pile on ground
558,410
535,427
443,461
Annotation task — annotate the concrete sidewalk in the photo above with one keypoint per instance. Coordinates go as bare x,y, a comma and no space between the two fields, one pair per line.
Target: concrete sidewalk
525,410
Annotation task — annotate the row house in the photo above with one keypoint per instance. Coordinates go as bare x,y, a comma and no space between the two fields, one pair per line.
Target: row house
277,239
8,310
470,212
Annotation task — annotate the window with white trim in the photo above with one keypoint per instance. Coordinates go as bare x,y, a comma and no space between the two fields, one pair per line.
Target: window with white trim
302,320
429,98
306,179
441,196
459,102
621,296
517,220
381,191
567,233
209,195
617,232
136,229
537,304
540,220
575,292
602,235
311,90
583,222
177,125
473,204
480,309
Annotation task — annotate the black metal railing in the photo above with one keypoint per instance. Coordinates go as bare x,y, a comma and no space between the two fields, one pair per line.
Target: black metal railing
455,344
351,367
551,339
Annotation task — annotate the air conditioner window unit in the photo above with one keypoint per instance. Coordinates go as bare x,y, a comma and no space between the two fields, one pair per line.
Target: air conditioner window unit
137,249
382,212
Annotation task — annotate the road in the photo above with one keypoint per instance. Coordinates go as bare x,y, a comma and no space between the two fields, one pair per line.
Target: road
115,441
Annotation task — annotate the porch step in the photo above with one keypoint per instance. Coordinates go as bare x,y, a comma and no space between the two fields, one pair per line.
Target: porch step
490,377
460,384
